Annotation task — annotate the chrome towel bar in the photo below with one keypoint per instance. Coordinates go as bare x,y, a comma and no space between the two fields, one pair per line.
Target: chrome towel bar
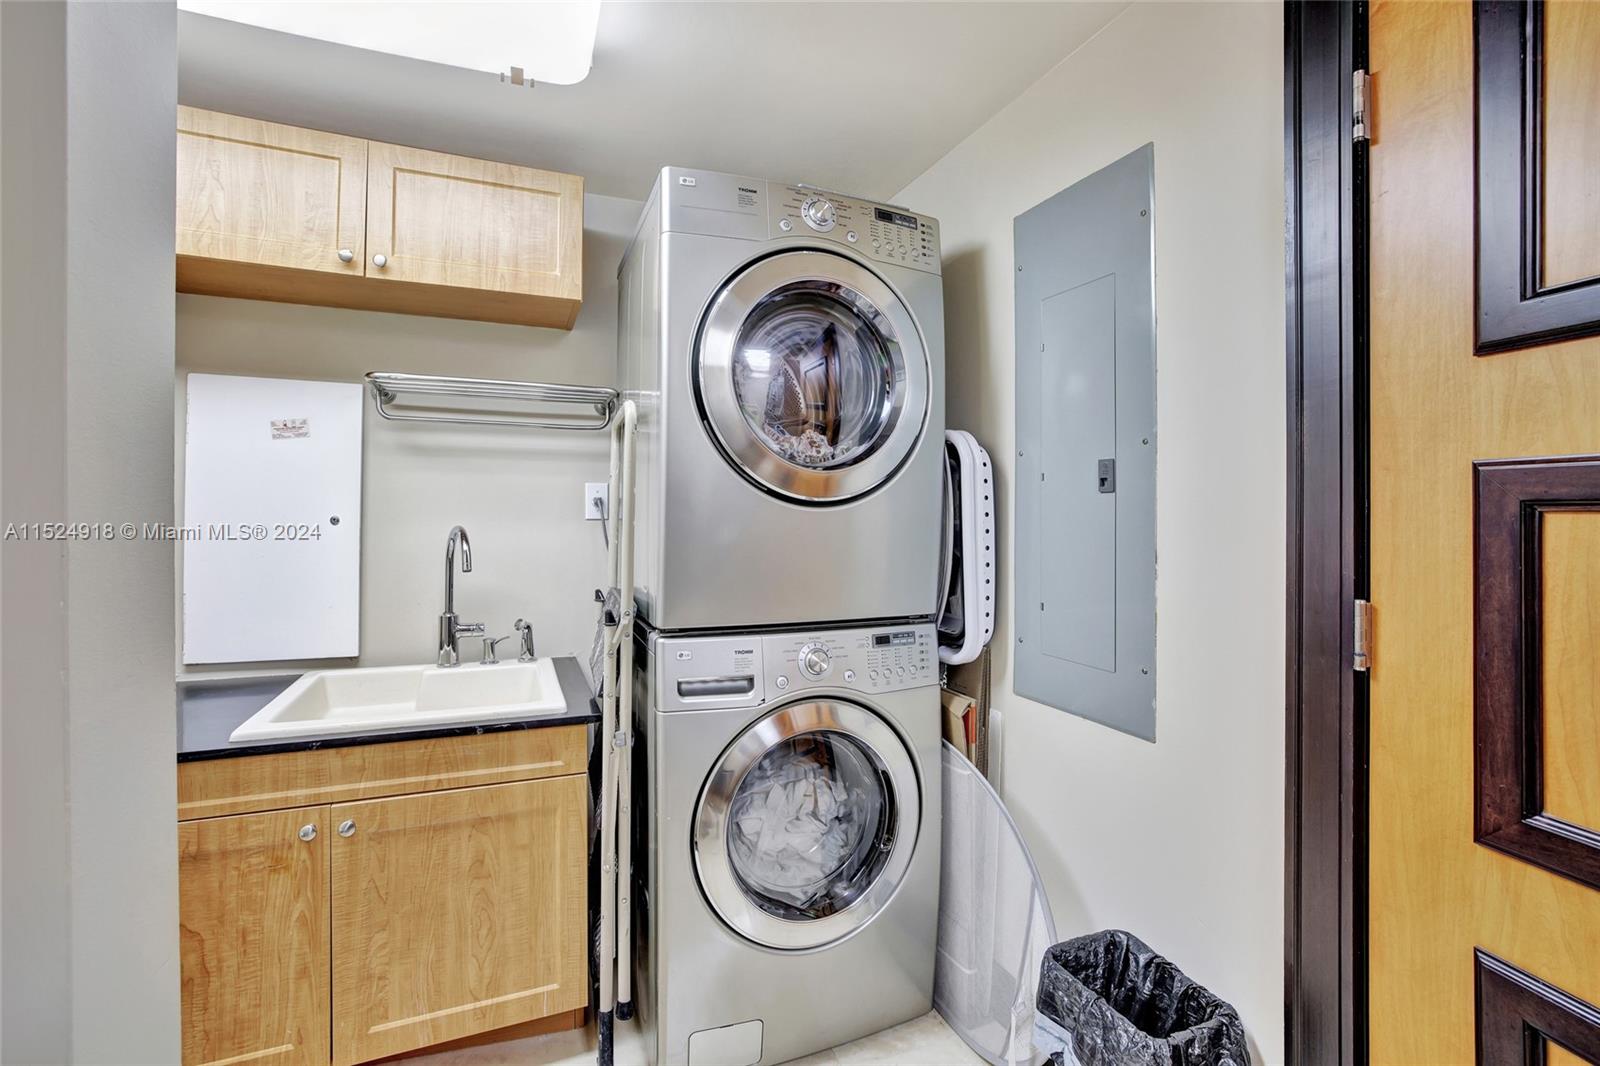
387,388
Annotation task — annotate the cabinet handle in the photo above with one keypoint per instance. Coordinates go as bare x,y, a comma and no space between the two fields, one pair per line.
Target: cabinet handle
346,255
308,833
347,828
380,260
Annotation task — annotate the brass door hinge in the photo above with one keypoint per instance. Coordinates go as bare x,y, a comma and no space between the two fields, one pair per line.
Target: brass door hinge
1362,637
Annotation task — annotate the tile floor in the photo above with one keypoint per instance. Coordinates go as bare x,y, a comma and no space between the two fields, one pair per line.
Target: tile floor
924,1041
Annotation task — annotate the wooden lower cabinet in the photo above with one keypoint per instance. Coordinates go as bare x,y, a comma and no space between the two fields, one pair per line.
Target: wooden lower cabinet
349,931
253,938
457,912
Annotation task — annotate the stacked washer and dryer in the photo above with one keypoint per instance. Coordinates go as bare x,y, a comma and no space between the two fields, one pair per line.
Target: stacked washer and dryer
785,349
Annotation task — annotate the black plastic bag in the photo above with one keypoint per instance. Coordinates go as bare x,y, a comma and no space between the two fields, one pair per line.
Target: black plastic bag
1121,1004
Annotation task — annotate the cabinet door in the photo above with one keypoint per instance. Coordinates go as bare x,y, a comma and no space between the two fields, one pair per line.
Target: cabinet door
253,930
456,913
256,192
438,219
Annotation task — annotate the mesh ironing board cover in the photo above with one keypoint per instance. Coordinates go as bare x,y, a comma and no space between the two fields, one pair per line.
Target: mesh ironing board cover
994,921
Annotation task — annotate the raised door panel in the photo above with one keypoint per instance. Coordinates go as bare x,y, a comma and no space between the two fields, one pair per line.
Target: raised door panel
253,938
456,913
1570,212
260,193
1569,617
445,220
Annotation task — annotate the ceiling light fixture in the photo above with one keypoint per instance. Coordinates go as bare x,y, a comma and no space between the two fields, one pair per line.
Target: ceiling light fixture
549,41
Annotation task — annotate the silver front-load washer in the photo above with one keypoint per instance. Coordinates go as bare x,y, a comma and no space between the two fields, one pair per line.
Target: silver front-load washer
785,348
787,840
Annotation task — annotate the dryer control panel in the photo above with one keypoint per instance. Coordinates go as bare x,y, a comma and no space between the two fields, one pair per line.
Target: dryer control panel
719,671
877,231
724,205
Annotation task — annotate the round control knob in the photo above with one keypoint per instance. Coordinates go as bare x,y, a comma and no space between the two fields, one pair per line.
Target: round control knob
818,213
814,660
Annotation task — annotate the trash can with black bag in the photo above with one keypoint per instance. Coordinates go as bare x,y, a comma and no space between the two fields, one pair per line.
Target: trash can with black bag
1107,999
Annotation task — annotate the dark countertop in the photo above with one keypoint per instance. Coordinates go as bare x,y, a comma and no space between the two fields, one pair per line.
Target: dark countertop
209,711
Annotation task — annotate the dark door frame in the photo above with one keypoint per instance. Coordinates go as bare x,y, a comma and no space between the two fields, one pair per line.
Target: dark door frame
1325,908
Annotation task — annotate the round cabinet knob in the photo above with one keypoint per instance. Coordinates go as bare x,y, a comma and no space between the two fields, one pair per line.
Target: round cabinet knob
380,260
347,828
346,255
818,213
814,660
308,833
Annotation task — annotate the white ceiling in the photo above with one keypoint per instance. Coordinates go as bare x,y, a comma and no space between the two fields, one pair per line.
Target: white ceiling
856,97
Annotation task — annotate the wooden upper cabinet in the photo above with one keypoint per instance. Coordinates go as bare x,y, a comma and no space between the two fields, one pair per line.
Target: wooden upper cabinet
274,212
457,912
256,192
253,938
462,225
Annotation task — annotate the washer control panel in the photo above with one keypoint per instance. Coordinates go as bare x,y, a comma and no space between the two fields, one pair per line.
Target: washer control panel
877,231
720,671
885,659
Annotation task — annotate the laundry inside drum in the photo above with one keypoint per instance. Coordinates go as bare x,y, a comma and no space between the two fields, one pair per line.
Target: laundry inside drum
812,826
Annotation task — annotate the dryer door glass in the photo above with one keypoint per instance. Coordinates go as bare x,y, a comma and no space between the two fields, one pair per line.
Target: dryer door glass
812,376
807,824
815,375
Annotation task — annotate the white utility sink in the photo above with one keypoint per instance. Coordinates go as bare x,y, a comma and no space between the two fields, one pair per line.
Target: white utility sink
377,699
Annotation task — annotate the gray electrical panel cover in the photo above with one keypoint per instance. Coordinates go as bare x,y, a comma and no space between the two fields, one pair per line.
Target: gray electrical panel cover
1085,538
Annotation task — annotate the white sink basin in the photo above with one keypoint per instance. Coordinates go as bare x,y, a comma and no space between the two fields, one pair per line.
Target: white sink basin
376,699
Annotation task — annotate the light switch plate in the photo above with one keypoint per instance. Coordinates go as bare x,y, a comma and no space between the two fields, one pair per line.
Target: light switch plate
596,500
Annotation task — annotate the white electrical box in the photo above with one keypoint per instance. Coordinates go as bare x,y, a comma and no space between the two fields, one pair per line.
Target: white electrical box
271,534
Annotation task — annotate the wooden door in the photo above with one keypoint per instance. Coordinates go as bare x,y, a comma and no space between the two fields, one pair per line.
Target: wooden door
253,925
456,913
1484,930
274,196
467,224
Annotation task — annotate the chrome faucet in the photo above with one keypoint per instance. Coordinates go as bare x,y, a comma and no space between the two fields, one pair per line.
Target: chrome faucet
525,631
451,629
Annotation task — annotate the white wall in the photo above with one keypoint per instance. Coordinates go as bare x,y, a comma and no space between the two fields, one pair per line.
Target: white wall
90,873
518,492
1180,841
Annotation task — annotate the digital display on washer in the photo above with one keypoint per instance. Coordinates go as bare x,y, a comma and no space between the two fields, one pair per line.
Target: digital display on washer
908,221
893,640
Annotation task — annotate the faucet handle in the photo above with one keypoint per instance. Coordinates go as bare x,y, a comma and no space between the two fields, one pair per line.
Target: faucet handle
489,646
525,631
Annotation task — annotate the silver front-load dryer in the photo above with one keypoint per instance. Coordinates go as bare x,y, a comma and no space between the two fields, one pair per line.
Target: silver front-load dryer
785,348
788,821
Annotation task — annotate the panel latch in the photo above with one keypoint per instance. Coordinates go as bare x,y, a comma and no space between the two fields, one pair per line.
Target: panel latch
1361,638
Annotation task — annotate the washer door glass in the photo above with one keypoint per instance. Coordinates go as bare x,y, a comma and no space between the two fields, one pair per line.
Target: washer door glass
813,376
810,826
807,824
